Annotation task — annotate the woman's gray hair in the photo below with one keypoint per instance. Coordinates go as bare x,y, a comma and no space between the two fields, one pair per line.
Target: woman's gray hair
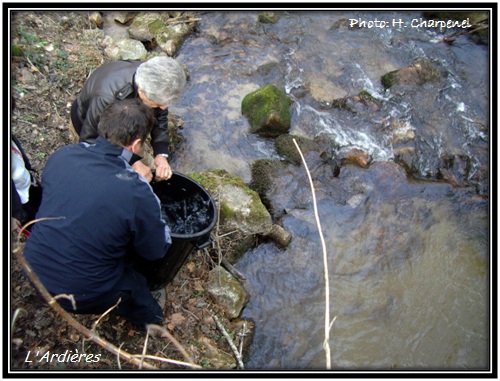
161,79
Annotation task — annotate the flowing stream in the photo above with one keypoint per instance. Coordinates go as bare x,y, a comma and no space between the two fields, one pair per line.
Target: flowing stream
409,260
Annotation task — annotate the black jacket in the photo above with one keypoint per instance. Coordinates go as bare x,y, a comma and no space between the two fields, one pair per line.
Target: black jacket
112,81
104,212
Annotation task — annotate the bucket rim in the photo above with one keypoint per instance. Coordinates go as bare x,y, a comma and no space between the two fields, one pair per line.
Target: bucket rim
210,226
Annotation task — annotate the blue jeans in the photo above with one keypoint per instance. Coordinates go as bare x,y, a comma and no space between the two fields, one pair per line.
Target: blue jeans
137,303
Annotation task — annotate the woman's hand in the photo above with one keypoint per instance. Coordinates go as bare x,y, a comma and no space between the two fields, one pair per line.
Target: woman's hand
163,170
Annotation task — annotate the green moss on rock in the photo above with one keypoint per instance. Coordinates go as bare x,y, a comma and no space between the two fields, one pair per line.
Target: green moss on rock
285,147
157,27
269,17
420,72
268,111
240,206
389,79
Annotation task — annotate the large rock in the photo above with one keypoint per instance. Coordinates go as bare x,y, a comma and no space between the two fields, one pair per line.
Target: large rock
171,40
154,26
125,49
240,207
268,111
364,102
286,148
420,72
227,292
146,26
269,17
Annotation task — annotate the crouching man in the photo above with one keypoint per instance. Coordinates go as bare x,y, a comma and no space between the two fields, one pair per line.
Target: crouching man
106,214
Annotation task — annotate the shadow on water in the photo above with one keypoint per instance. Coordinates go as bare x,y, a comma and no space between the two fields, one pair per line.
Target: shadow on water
409,260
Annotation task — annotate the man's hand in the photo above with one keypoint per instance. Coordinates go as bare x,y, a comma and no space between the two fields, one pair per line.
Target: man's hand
163,170
143,170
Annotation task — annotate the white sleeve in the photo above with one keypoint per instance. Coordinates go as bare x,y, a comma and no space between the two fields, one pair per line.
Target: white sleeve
20,175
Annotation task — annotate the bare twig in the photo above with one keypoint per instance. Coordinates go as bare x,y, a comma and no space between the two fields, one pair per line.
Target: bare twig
25,226
229,267
476,28
190,313
326,344
118,356
35,68
209,257
230,341
172,339
228,233
144,349
333,321
185,21
105,313
89,334
242,335
14,318
71,298
219,250
170,361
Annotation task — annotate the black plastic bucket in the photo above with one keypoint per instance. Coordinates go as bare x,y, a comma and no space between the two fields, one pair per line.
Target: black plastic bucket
190,212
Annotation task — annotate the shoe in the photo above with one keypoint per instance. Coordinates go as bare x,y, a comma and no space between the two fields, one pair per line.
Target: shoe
160,296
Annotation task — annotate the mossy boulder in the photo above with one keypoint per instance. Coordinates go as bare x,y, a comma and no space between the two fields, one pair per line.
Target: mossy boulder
125,49
286,148
240,207
263,173
268,111
171,39
154,27
146,25
363,102
420,72
227,292
269,17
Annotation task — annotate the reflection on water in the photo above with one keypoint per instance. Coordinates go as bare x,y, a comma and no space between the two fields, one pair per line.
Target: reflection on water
408,283
409,261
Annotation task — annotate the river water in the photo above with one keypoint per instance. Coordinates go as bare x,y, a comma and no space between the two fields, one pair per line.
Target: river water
408,259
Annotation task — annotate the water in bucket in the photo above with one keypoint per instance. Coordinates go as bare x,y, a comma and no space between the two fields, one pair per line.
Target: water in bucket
186,216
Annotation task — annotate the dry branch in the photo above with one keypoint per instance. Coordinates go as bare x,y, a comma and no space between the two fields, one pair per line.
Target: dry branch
89,334
173,340
230,342
229,267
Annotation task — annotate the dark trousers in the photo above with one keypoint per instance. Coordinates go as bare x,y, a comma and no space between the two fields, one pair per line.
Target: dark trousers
137,304
75,120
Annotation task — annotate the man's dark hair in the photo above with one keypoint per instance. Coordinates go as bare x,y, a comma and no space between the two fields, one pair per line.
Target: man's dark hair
123,121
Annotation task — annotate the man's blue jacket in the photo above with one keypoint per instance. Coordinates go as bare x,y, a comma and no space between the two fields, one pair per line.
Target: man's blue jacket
104,214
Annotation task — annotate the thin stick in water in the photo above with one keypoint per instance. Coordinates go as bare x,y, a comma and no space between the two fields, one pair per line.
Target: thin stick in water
326,344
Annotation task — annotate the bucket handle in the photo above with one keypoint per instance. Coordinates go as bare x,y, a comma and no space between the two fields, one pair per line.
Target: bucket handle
202,245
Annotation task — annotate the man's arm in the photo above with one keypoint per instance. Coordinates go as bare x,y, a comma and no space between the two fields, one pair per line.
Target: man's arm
160,141
151,234
160,138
